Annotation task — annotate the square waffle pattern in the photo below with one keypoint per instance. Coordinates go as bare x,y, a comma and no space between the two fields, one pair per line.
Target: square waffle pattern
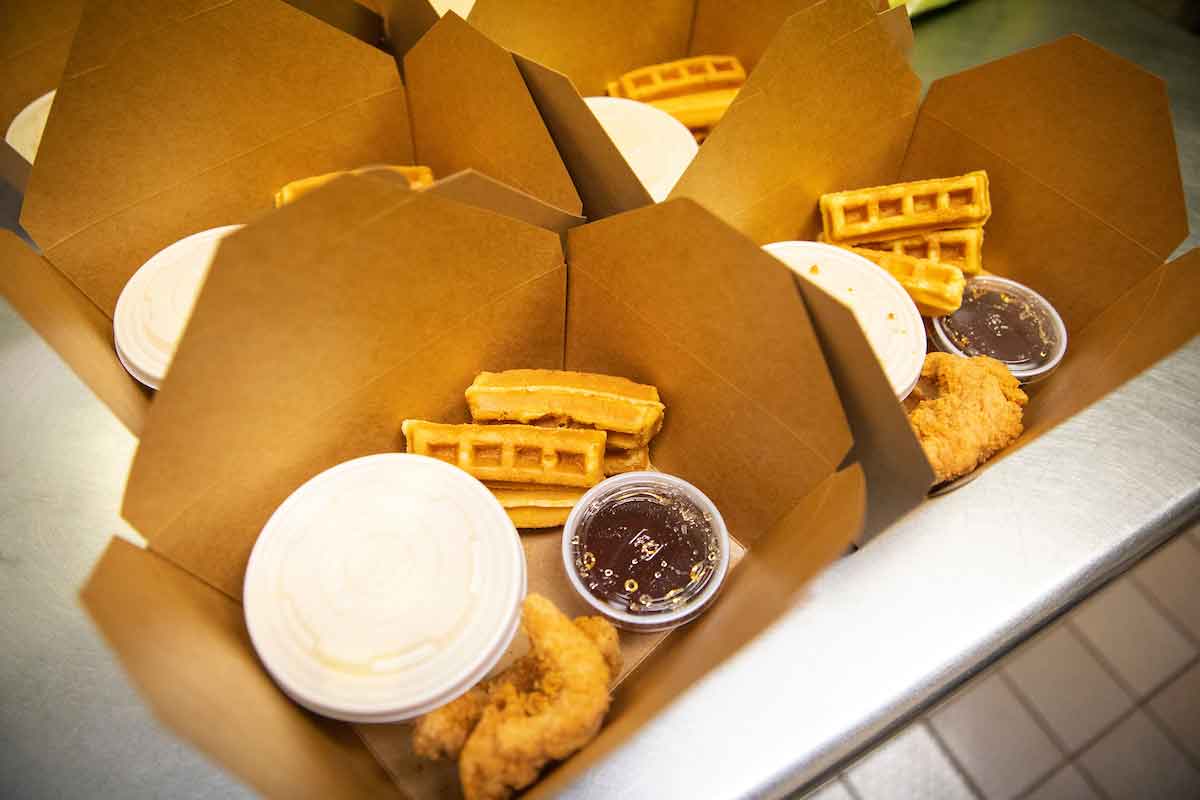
516,453
898,211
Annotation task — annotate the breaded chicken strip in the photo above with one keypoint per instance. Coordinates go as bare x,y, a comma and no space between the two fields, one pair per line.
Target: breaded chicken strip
548,704
967,409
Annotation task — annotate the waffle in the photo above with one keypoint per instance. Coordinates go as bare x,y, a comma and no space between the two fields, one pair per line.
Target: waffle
616,440
697,111
937,289
519,453
898,211
536,506
962,248
675,78
617,461
556,397
417,177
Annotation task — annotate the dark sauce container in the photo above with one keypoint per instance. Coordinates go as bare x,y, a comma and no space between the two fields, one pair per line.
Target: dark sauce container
1007,321
646,550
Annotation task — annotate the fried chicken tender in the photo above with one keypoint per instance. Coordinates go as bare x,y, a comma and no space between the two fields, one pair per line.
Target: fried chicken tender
967,410
544,707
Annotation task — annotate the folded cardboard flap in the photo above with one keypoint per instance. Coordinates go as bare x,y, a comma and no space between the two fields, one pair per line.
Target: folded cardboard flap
186,648
603,178
14,174
473,188
70,323
897,474
1153,319
589,42
1115,157
798,128
670,295
318,330
768,583
35,38
741,29
160,140
471,109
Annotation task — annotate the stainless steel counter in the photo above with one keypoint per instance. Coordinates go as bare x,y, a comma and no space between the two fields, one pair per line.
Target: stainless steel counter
883,633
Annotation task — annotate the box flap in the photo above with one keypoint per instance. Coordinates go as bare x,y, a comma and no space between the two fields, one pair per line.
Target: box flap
1115,157
1155,317
71,324
605,182
589,42
669,295
473,188
898,475
406,21
741,29
186,648
159,140
470,109
14,172
1036,235
769,582
319,329
799,128
35,38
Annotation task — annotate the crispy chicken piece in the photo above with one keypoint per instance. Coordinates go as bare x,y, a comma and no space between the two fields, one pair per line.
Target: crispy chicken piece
967,409
546,706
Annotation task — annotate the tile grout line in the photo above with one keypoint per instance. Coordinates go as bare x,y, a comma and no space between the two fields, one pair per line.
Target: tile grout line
852,790
1163,611
972,787
1025,702
1082,638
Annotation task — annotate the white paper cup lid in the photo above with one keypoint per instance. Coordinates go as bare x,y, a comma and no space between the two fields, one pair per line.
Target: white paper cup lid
384,587
24,133
889,318
155,304
657,146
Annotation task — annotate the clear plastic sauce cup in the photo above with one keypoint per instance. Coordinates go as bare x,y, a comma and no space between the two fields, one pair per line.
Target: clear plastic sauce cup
647,550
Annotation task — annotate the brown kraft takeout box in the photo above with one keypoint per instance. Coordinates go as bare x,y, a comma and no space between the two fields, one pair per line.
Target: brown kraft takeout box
288,367
176,117
1086,195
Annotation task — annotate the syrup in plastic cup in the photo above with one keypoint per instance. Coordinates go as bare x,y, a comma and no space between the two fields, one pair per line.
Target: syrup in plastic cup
647,550
1028,309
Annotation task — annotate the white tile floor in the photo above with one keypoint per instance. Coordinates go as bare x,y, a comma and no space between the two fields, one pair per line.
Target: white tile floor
1104,705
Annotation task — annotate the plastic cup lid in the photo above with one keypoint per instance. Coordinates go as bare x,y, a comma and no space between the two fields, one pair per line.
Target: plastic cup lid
1030,373
889,318
24,133
606,489
384,587
657,146
155,304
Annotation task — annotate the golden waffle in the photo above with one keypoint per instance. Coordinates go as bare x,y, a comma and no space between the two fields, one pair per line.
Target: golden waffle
675,78
578,398
962,247
617,461
883,213
520,453
536,506
616,440
937,289
417,177
697,111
